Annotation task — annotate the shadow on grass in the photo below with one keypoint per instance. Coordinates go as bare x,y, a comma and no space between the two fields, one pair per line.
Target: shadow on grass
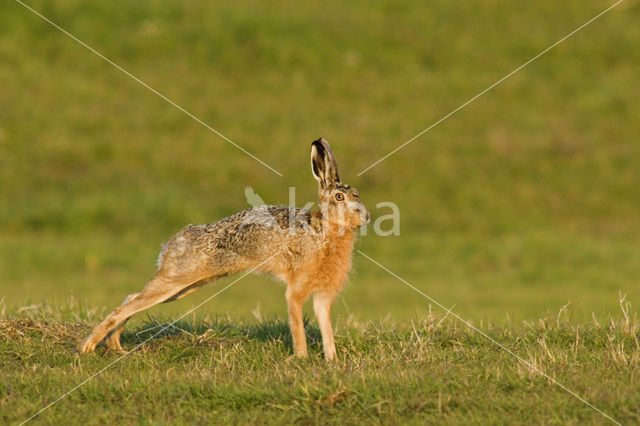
219,331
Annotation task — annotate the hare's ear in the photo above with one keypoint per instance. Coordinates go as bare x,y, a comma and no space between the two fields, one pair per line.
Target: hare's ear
323,163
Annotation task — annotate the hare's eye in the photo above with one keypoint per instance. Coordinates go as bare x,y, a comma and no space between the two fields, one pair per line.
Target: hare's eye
339,196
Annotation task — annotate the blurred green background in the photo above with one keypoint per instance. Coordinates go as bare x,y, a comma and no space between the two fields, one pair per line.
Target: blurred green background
526,200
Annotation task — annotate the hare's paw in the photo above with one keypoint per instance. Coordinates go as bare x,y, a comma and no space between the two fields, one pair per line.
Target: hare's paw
113,343
88,346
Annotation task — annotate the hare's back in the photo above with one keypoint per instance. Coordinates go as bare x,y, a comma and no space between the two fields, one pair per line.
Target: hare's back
245,238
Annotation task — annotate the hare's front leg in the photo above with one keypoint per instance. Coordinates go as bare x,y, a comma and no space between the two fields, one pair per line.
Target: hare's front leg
295,299
322,307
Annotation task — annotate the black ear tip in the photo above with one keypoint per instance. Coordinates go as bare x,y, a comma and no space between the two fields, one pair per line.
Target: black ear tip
320,145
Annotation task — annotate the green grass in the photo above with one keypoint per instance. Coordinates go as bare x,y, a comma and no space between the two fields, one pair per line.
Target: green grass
432,369
521,203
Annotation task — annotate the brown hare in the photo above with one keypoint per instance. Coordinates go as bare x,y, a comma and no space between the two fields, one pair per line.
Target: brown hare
309,251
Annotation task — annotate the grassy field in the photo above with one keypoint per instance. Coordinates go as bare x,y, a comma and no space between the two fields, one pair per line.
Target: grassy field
521,203
215,370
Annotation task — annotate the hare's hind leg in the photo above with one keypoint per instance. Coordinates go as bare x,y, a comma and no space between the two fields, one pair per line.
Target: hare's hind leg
158,290
113,337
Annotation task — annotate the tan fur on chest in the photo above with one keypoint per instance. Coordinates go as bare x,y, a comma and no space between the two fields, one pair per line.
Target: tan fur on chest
328,270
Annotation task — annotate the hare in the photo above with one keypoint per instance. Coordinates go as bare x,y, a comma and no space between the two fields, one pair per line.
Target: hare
309,251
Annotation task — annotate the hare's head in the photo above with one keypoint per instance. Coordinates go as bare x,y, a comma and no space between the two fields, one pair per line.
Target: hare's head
339,203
